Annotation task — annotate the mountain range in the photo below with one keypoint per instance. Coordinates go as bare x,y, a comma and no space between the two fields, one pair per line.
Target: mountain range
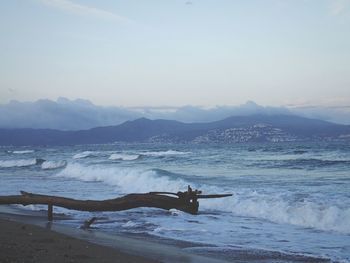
81,114
235,129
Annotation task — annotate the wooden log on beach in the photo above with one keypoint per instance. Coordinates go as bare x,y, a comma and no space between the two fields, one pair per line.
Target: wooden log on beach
117,204
185,201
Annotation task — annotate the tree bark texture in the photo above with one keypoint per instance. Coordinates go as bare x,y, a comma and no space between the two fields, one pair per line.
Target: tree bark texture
183,201
117,204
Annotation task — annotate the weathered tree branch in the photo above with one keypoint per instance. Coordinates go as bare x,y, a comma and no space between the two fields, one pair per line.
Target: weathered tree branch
185,201
88,223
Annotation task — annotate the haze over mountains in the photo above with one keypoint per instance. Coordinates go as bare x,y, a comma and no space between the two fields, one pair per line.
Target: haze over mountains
236,129
65,114
67,122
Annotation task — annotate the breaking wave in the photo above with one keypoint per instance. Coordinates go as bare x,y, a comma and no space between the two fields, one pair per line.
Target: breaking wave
23,152
275,208
272,207
290,162
17,163
311,163
124,157
50,165
127,180
83,155
164,153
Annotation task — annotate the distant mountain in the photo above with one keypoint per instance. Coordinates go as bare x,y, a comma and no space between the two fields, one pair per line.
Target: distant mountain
253,128
80,114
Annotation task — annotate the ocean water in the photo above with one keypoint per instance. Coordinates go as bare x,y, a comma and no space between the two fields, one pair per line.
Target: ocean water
290,203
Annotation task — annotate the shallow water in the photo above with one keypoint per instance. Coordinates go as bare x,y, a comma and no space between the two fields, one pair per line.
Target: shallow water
291,201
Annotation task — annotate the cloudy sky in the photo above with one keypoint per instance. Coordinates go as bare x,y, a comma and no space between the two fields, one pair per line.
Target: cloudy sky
177,52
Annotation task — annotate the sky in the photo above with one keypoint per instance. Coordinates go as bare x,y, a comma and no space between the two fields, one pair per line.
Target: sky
135,53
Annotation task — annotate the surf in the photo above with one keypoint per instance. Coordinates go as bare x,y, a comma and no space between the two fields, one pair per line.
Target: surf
126,180
17,163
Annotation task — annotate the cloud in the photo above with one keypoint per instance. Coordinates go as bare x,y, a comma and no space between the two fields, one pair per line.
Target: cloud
65,114
334,110
338,7
335,102
80,114
335,114
78,9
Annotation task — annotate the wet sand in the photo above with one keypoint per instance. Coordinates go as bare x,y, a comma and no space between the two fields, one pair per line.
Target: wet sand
27,237
21,242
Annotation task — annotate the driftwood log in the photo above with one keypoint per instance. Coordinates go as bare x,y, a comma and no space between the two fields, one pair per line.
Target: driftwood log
184,201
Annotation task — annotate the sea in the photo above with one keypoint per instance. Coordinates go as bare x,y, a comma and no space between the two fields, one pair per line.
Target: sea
290,203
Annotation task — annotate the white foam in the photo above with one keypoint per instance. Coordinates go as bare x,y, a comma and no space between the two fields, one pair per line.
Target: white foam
17,163
129,224
49,165
31,207
165,153
123,157
127,180
274,208
83,155
23,152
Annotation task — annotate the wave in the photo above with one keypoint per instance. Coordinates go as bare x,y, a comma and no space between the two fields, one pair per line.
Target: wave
289,161
273,207
312,163
326,217
83,155
50,165
299,151
164,153
17,163
126,180
124,157
23,152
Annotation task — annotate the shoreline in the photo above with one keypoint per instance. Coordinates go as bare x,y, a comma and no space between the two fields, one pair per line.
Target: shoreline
22,242
114,246
31,238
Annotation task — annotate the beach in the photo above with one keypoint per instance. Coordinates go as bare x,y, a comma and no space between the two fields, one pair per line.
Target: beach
28,243
290,202
27,236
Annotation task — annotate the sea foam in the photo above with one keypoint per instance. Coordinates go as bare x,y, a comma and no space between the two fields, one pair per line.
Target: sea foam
50,165
17,163
127,180
23,152
124,157
275,208
164,153
83,154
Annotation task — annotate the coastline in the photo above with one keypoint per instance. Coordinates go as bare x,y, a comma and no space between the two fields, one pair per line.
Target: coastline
273,217
29,243
28,237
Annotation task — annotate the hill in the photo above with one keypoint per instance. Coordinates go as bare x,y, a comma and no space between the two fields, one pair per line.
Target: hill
253,128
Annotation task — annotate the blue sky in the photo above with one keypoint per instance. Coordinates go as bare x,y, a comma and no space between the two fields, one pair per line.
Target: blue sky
174,52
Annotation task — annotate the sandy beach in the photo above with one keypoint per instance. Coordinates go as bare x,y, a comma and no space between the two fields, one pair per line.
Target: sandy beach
27,236
28,243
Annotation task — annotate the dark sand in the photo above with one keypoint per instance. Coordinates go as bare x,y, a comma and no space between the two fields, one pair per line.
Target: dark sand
36,242
27,243
27,236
